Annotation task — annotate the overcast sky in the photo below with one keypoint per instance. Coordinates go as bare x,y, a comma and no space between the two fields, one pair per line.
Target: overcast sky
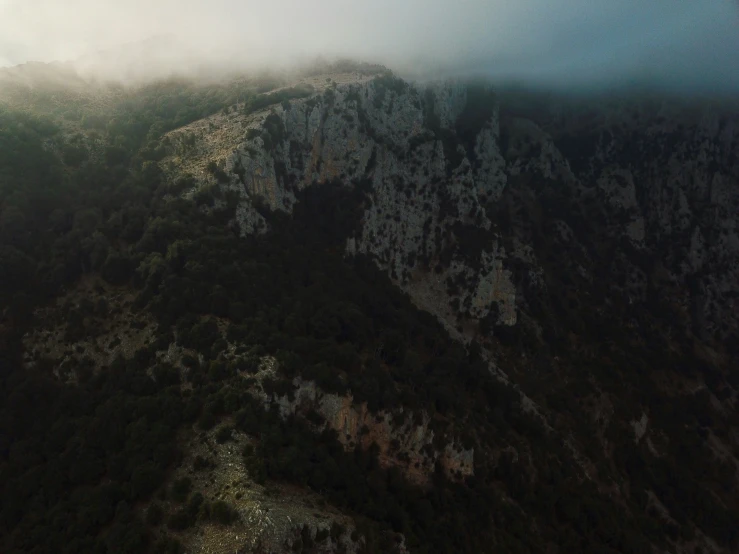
680,43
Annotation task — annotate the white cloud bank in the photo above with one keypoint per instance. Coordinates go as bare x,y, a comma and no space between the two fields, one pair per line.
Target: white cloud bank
679,44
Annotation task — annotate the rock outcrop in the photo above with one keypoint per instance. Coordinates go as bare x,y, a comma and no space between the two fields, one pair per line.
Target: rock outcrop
427,192
402,440
440,162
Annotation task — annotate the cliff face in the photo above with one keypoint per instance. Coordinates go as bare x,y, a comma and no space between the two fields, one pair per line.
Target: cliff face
396,140
590,247
441,162
656,182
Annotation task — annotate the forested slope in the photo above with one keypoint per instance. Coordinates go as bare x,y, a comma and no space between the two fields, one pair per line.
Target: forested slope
150,343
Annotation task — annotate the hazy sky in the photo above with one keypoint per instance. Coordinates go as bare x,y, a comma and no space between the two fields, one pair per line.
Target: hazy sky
676,42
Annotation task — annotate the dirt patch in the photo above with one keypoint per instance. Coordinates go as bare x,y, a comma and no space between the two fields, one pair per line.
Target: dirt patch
270,516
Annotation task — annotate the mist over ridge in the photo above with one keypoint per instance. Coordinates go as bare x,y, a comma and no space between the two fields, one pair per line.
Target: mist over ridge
571,45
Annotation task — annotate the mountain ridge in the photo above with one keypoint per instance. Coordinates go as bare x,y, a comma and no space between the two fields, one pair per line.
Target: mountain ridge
531,154
583,260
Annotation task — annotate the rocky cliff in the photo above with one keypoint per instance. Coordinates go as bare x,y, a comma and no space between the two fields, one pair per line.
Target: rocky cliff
396,140
210,309
440,162
590,247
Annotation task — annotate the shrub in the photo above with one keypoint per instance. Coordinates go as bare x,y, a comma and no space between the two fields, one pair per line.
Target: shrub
168,545
223,434
207,420
154,515
181,489
200,463
193,507
180,520
336,530
222,513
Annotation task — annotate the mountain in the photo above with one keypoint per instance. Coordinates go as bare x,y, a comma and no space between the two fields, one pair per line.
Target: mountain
342,312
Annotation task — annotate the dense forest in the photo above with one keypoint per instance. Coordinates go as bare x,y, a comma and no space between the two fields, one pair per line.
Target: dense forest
82,464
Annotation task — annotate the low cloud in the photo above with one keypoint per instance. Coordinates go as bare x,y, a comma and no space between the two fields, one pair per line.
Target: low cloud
673,44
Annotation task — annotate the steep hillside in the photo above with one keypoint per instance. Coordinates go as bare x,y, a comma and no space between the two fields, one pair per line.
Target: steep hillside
437,161
348,313
590,246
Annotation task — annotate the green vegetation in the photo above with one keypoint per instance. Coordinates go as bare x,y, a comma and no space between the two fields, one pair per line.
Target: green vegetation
88,467
387,83
106,444
261,101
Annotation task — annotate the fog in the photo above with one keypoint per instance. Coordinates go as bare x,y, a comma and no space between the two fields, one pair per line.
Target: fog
678,45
